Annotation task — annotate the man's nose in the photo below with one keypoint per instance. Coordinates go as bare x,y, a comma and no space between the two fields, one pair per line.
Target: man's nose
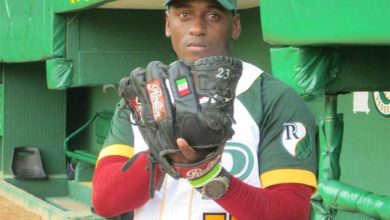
198,27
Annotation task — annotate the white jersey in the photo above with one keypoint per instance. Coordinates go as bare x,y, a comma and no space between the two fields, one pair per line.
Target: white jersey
177,199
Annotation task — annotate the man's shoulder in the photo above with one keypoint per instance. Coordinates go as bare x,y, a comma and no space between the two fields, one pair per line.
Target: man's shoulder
269,87
255,76
250,73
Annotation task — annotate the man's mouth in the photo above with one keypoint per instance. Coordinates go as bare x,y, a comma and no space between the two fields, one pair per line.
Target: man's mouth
198,46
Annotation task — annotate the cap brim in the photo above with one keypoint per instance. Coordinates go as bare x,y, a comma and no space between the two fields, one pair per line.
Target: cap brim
226,4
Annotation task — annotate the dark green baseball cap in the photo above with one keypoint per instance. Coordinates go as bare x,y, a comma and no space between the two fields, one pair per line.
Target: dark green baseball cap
229,5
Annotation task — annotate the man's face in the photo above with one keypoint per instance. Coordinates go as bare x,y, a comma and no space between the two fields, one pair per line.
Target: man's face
201,28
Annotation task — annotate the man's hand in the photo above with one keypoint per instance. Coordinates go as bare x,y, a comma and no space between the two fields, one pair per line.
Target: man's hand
187,154
193,101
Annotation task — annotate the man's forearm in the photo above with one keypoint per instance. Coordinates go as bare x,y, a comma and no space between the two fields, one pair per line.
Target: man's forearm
283,201
116,192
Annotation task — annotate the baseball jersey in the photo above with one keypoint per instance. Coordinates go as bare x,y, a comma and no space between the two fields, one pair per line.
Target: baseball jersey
273,143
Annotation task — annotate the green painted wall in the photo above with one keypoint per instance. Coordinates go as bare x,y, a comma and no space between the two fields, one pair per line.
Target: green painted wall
365,156
251,46
33,115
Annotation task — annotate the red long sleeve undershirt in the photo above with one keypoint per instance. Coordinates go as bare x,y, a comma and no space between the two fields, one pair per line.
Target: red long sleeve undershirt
114,193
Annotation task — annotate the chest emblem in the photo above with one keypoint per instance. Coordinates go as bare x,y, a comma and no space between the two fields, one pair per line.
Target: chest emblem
238,159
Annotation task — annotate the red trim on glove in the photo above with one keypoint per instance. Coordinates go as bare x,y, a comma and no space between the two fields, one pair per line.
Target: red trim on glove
198,170
283,201
115,192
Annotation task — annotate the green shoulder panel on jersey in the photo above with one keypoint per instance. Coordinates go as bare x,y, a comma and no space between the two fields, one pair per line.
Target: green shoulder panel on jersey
248,97
120,139
121,131
249,89
287,130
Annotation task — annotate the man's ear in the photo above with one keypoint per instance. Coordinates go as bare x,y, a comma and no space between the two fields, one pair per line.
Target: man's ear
167,27
236,26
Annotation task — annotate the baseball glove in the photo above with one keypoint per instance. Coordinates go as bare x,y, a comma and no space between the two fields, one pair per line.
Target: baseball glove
193,101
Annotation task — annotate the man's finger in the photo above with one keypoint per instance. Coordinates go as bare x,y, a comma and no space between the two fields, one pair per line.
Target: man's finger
187,151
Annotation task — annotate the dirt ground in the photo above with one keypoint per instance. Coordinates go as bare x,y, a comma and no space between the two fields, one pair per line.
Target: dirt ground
12,211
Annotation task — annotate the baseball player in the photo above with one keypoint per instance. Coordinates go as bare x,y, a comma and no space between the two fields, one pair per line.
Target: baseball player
269,165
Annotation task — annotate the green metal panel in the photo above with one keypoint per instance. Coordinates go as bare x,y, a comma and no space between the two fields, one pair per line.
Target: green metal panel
33,116
313,22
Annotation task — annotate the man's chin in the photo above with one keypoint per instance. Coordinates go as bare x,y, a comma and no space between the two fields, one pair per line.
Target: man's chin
194,57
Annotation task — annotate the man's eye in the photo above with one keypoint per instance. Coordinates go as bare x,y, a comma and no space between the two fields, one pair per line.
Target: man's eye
213,17
184,15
